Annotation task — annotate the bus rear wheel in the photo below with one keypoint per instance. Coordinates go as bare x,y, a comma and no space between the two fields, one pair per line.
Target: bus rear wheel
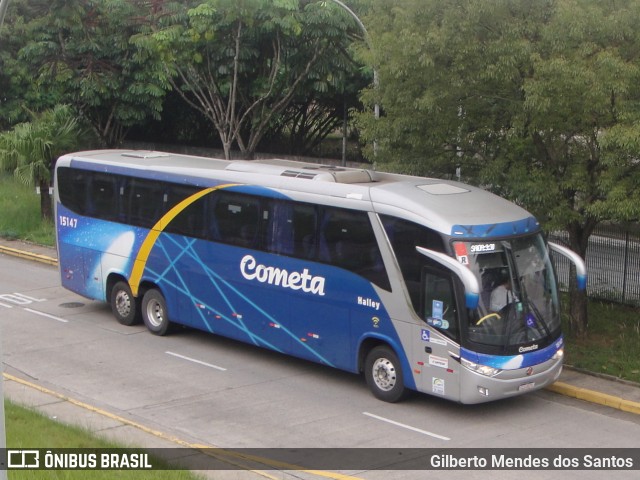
123,304
154,312
384,374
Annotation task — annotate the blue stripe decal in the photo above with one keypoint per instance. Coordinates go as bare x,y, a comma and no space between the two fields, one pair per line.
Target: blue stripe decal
224,288
513,362
518,227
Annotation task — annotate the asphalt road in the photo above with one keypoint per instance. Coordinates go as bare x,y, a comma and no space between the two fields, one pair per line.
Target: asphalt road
223,393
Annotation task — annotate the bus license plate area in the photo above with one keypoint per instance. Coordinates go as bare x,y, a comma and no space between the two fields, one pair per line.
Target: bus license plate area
526,386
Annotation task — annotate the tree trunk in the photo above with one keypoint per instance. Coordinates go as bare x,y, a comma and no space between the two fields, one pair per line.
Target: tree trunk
578,311
249,155
226,146
46,207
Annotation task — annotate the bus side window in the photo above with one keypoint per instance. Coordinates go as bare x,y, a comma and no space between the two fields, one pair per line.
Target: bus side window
279,227
237,218
305,234
404,237
72,190
291,229
191,221
439,308
347,240
103,194
175,193
142,202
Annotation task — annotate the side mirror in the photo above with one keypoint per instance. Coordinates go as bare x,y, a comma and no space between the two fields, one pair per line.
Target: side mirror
469,280
581,268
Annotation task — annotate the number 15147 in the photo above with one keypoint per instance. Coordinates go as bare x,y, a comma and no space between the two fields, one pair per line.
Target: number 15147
65,221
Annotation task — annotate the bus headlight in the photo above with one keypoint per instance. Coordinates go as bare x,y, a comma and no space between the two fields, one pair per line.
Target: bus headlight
559,354
481,369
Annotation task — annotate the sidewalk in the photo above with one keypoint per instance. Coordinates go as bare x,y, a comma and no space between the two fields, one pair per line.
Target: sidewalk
597,389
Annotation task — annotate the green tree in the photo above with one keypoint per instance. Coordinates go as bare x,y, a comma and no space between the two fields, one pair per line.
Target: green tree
538,101
30,149
241,63
320,108
15,80
78,52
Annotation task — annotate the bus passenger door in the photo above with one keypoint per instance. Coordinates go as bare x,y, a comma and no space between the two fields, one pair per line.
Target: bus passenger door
439,335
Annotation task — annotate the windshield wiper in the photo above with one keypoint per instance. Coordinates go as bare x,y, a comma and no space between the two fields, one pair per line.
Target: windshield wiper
539,317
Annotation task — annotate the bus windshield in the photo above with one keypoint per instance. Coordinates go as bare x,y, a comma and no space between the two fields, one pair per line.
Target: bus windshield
519,300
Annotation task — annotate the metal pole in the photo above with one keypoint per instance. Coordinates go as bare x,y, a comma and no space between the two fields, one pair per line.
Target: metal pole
626,260
344,129
3,10
376,107
367,40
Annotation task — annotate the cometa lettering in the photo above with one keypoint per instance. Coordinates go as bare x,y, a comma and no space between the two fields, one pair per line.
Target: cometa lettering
530,348
252,270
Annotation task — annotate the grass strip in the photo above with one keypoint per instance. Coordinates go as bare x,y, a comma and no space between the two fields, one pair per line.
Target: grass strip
27,429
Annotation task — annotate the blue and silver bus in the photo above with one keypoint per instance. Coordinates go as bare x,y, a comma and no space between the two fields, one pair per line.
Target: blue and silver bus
420,284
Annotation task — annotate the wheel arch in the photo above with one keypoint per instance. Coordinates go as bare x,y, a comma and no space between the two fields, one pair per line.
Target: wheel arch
112,279
366,345
370,342
146,285
115,277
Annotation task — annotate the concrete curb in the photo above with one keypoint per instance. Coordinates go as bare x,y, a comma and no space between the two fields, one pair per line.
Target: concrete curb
29,255
593,396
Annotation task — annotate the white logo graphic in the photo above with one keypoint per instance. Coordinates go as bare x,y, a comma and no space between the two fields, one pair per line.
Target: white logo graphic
23,459
304,281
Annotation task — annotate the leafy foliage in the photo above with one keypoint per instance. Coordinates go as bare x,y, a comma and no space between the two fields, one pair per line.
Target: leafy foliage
30,149
242,63
535,100
78,52
249,67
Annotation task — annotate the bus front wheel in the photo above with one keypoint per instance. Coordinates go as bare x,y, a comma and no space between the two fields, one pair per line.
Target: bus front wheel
384,374
123,304
154,312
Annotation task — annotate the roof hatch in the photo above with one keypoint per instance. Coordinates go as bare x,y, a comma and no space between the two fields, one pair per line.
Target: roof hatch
145,154
442,189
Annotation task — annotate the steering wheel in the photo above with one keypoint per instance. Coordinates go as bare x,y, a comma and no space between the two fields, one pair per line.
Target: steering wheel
488,316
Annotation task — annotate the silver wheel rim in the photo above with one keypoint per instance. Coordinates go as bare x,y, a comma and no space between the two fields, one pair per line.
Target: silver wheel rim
155,313
384,374
123,303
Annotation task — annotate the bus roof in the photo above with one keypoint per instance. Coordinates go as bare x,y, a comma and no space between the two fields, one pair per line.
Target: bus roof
450,207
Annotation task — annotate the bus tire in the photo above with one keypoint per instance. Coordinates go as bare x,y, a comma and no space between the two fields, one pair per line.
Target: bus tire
123,304
154,312
383,373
